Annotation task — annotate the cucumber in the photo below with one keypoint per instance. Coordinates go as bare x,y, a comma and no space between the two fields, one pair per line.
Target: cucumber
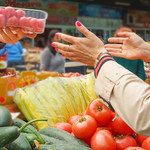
30,137
51,140
5,117
21,143
61,135
29,129
65,146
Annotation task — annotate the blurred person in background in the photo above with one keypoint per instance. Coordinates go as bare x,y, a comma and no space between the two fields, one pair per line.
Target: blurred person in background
51,60
135,66
14,54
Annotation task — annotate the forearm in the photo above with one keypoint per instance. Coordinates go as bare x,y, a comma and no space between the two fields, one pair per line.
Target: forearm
128,95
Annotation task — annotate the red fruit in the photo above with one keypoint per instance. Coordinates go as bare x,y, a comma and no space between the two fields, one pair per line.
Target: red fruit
99,111
84,127
22,21
120,127
41,24
13,21
87,140
64,126
141,138
20,13
73,119
2,99
9,12
146,144
103,140
2,20
134,148
34,22
123,142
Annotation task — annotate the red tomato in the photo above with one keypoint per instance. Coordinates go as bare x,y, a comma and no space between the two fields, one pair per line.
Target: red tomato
67,74
73,119
146,144
99,111
13,21
141,138
84,127
9,11
134,148
123,142
20,13
119,126
64,126
103,140
84,113
87,140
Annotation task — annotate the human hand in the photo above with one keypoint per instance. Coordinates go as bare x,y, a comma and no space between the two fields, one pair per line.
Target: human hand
13,35
130,46
84,50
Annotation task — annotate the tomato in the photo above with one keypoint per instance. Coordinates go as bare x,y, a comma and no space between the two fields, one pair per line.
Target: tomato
64,126
119,126
141,138
134,148
87,140
67,74
99,111
73,119
84,127
103,140
146,144
123,142
84,113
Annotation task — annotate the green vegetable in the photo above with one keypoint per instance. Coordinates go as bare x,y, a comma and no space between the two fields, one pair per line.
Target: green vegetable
64,146
61,135
29,129
3,148
30,137
5,117
21,143
9,134
51,140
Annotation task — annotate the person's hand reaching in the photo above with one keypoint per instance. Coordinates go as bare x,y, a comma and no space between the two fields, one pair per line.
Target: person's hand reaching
13,35
84,50
128,45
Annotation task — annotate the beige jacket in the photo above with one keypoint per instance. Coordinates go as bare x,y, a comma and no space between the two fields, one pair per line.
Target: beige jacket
128,94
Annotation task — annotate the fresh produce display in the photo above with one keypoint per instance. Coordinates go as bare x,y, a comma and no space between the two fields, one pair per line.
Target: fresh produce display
56,99
27,19
23,136
114,134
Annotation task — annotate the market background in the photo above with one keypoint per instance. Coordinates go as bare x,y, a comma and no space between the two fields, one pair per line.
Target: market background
100,17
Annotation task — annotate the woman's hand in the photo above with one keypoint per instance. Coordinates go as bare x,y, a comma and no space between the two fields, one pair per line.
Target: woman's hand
130,46
84,50
13,35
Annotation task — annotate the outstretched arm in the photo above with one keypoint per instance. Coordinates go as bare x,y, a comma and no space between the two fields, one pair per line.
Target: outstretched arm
129,45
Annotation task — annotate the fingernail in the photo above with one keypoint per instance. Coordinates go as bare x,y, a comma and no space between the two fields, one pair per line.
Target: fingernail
56,49
62,54
53,44
56,35
79,23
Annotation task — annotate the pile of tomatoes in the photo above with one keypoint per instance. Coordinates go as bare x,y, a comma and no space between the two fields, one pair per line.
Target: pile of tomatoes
102,129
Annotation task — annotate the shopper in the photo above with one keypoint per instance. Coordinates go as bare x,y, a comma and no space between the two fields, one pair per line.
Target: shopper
51,60
128,94
135,66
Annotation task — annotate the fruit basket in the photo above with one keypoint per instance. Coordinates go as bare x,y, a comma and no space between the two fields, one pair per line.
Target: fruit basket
30,20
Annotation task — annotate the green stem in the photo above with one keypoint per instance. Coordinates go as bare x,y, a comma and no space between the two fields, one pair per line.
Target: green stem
25,125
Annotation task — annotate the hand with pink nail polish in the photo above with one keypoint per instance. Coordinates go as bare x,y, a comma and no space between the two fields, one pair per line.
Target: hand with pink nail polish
84,50
51,60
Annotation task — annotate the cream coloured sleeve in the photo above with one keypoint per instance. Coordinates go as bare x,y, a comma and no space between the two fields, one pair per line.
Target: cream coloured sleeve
128,94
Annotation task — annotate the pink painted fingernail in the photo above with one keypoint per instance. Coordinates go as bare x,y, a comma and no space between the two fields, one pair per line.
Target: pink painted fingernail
56,49
53,44
56,35
79,23
62,54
